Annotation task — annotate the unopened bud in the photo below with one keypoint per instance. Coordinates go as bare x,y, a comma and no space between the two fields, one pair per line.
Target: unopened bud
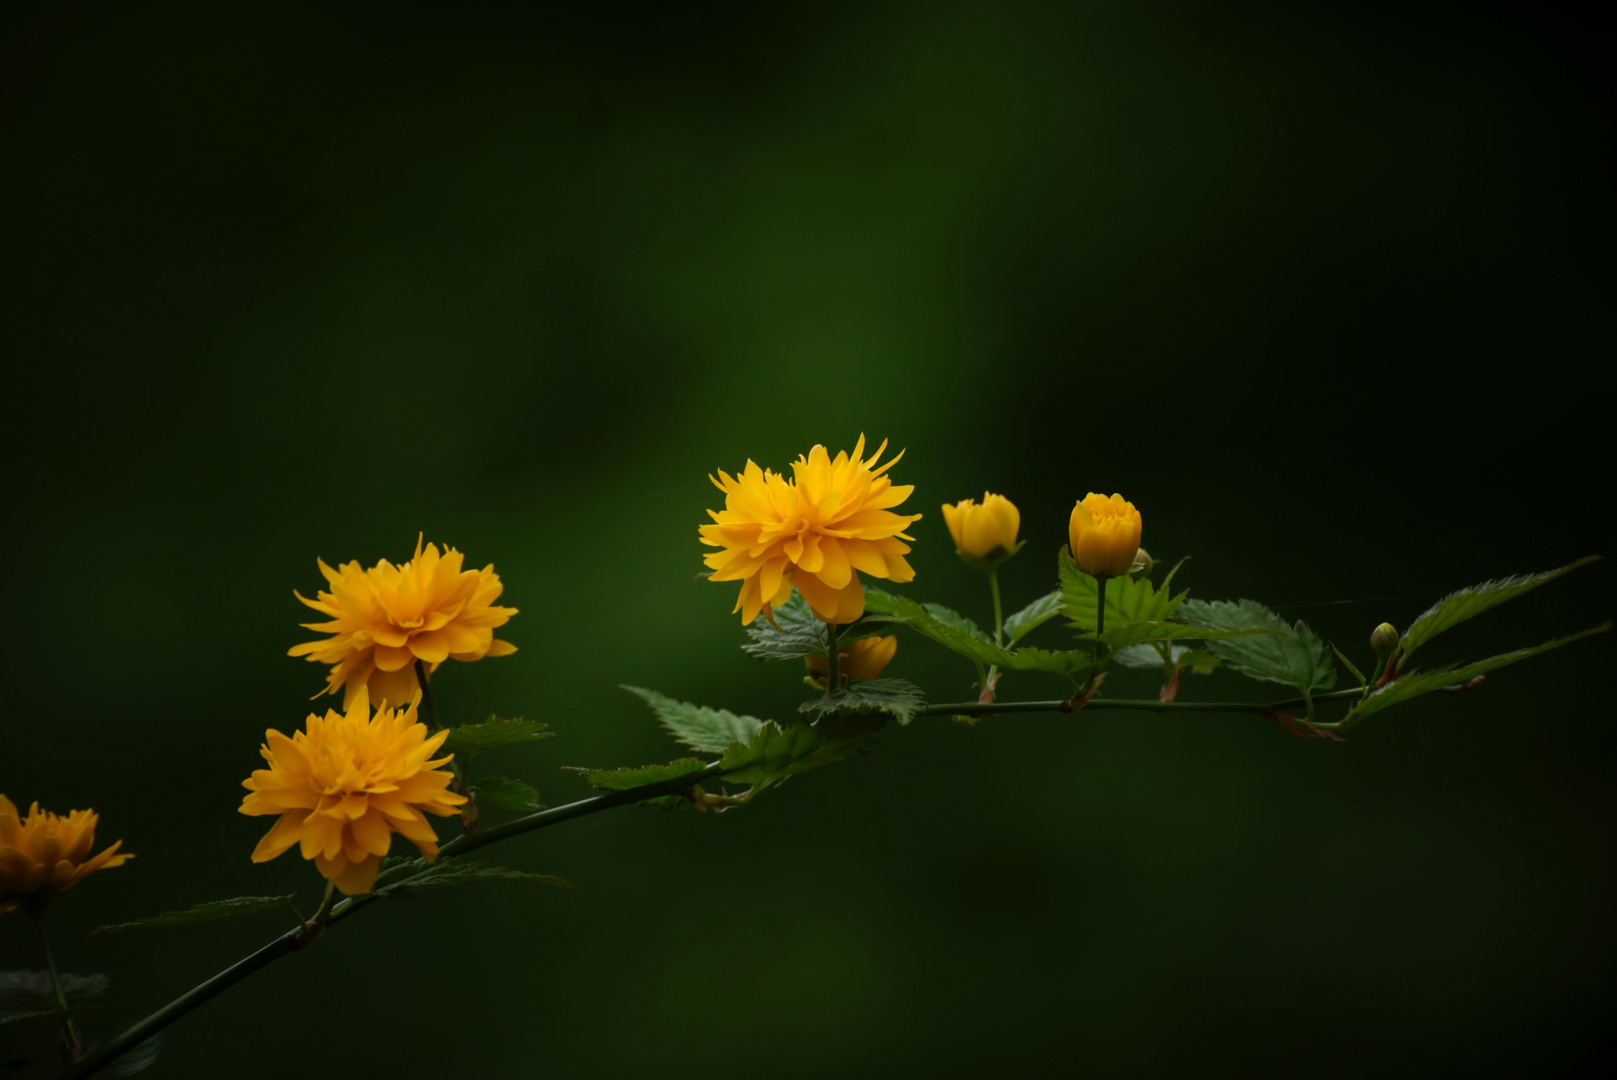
1384,639
1143,562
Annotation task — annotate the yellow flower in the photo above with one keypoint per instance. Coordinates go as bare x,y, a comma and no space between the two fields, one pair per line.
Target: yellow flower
862,658
984,536
44,853
1105,534
386,618
813,531
344,787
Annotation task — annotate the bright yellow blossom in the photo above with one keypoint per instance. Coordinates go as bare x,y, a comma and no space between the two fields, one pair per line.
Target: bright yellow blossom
814,531
862,658
44,853
346,785
386,618
1105,534
984,536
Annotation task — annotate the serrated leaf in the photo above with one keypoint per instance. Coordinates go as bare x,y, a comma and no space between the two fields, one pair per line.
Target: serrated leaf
895,697
469,740
1139,656
1290,654
956,621
452,871
796,633
1468,603
1022,623
776,754
638,775
1416,684
1128,599
1196,661
31,991
916,617
506,793
697,726
208,912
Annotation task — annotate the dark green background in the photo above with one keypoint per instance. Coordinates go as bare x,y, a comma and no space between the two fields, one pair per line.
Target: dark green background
1322,288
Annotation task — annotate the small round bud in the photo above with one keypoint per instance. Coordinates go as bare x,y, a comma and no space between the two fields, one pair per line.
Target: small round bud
1143,562
1384,639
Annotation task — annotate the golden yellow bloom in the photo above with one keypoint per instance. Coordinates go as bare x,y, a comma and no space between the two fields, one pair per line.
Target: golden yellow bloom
386,618
1105,534
984,536
813,531
862,658
344,787
44,853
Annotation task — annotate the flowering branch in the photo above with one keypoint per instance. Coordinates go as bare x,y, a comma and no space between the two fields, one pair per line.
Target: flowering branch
294,940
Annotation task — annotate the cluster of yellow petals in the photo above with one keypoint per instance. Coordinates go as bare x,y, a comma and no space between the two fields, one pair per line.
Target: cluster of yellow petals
45,853
346,785
815,531
984,535
386,618
859,659
1104,534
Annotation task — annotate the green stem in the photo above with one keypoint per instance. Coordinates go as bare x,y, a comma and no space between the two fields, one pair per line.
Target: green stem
426,694
293,940
999,613
831,658
970,708
56,984
1100,625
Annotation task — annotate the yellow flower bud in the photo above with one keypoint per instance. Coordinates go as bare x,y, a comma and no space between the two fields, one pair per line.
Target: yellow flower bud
862,659
1105,534
1143,562
1384,638
985,535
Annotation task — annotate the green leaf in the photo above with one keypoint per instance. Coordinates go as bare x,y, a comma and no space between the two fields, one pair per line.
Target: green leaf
30,992
956,621
1290,654
469,740
918,618
1030,618
796,633
1137,611
1196,661
1419,683
697,726
1457,607
640,775
201,913
506,793
895,697
452,871
1128,599
776,754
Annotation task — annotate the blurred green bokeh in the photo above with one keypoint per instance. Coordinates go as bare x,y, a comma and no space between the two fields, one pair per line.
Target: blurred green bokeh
1323,289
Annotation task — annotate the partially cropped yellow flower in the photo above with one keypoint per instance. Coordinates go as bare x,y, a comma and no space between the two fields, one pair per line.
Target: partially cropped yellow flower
984,536
862,658
346,785
814,531
386,618
44,853
1105,534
